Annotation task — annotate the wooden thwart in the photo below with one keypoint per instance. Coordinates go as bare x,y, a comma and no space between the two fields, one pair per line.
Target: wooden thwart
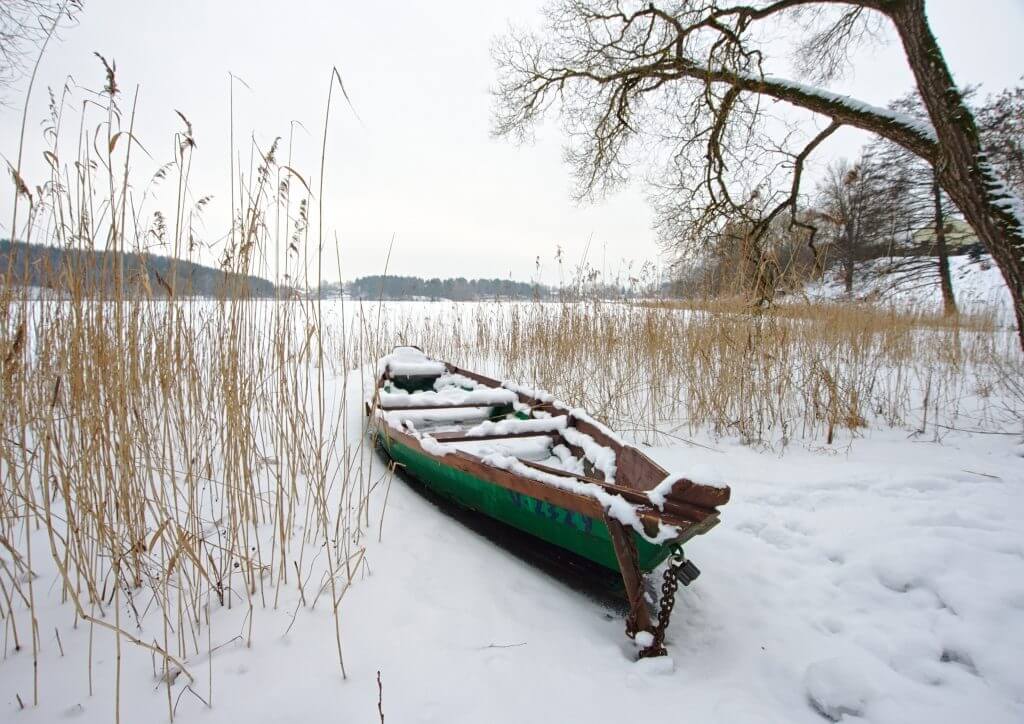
411,408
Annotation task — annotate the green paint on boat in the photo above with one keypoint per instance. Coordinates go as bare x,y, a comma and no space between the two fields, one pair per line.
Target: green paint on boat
580,534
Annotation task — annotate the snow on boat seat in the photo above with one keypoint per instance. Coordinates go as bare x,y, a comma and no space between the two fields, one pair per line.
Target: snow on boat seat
409,362
535,448
453,420
448,397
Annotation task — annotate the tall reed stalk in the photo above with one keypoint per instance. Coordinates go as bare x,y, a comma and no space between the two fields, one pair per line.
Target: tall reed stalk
168,457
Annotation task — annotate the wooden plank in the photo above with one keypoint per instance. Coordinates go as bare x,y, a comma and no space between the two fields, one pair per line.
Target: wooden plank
595,432
525,399
691,513
583,504
625,553
634,469
457,436
411,408
706,495
640,472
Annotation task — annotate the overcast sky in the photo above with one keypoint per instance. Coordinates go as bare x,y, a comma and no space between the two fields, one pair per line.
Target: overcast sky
421,165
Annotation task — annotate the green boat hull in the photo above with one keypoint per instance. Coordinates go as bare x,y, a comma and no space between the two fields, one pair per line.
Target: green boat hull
585,536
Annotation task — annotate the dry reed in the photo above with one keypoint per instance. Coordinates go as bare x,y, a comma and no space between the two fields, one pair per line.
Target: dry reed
167,456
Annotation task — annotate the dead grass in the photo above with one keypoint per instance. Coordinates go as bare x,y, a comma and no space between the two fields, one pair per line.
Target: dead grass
811,373
169,457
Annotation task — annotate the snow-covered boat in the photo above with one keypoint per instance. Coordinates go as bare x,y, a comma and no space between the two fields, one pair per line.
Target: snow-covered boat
520,456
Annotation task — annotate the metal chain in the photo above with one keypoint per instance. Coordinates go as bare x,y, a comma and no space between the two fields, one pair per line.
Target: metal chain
669,584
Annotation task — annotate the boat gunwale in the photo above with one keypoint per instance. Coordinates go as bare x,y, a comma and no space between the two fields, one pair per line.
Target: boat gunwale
649,515
640,473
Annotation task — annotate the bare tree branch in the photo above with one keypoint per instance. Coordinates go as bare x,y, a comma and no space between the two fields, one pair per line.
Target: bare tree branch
24,25
689,78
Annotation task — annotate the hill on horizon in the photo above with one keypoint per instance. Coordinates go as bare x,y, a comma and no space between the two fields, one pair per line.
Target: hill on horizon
153,275
393,287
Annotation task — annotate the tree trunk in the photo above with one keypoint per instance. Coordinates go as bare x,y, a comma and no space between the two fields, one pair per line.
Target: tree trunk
848,262
986,204
945,281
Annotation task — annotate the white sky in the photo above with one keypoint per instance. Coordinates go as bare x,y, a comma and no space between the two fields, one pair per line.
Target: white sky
422,164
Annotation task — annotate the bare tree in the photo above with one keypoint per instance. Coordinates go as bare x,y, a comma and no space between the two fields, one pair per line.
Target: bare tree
850,202
915,201
694,72
1001,122
24,26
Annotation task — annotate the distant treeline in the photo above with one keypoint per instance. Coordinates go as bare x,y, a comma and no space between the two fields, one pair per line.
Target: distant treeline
95,273
458,289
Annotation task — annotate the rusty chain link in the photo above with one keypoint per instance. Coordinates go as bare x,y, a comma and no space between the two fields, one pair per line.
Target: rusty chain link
669,585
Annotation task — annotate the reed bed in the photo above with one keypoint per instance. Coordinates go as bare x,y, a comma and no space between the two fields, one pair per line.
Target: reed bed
816,373
166,459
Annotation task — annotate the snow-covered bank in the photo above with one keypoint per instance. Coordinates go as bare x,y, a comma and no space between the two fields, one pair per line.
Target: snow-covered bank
978,284
885,582
879,581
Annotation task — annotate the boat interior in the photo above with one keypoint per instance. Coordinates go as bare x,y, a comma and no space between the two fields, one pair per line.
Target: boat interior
503,425
475,415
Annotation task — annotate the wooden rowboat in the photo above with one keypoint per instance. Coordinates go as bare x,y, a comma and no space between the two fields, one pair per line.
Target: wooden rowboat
523,458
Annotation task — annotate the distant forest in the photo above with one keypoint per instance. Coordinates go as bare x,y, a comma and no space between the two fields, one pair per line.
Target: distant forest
94,272
458,289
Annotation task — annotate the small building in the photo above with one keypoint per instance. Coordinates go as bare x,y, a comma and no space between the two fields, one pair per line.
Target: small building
960,237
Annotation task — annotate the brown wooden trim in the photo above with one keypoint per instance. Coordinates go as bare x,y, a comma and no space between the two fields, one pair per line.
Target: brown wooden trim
583,504
635,470
690,513
600,437
626,555
532,402
705,495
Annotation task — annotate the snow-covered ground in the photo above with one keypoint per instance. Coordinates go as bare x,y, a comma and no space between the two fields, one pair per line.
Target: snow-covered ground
881,581
887,583
977,284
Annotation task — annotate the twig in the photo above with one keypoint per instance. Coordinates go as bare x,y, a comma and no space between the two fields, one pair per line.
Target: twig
978,432
984,475
193,692
380,698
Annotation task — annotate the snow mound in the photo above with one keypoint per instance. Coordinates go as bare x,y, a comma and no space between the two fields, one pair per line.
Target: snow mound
840,687
410,361
656,666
